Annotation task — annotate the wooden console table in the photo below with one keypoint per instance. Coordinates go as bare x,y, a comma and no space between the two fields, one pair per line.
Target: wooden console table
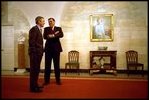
107,66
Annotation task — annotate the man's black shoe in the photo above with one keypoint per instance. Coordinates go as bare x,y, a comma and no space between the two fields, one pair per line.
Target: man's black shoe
58,83
36,90
46,83
42,86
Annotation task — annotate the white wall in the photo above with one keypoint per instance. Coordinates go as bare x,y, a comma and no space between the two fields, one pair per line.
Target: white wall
74,19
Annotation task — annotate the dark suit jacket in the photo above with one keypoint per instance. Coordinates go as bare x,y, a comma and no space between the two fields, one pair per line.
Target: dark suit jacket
35,41
53,44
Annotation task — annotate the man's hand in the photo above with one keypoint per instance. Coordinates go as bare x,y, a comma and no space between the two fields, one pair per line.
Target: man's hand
56,32
51,36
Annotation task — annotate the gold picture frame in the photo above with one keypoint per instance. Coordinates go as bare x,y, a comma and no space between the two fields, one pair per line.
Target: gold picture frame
101,28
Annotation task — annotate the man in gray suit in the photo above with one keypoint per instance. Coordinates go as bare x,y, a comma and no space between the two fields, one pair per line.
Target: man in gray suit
35,53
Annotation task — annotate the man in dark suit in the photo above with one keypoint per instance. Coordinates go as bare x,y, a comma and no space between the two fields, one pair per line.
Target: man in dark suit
35,53
52,50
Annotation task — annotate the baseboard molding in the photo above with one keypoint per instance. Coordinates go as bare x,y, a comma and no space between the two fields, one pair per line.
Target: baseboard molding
27,69
81,70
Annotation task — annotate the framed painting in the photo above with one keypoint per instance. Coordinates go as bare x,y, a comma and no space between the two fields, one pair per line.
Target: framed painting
101,28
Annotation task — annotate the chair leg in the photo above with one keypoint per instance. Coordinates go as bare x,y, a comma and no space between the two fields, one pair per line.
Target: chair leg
65,69
89,71
128,72
142,71
78,71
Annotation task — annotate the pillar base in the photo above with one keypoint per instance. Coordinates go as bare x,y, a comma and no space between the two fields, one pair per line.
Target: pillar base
20,71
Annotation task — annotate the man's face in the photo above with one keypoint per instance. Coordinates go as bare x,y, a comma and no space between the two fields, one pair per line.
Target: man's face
51,23
42,22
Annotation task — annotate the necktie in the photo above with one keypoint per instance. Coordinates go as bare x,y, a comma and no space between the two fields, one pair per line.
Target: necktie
41,30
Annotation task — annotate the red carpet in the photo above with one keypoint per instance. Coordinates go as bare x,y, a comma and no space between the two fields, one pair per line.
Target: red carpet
18,87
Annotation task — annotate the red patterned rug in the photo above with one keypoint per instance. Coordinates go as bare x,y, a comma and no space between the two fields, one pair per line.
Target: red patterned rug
76,88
